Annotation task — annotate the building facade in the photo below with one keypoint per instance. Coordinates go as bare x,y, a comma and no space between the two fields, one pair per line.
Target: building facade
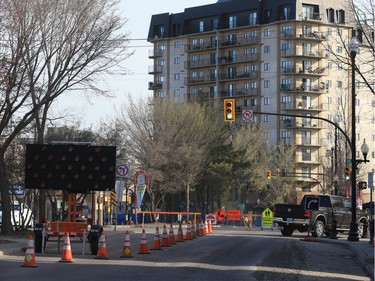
271,58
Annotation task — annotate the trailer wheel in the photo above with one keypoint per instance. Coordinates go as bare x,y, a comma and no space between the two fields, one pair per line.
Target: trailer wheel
94,245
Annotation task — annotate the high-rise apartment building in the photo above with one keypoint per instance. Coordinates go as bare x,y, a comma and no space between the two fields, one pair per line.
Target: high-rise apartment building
271,57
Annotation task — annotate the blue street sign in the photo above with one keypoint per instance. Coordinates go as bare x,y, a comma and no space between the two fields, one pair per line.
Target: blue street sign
370,180
18,190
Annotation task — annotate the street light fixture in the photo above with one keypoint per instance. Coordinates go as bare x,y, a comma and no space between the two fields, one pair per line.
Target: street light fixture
365,149
353,232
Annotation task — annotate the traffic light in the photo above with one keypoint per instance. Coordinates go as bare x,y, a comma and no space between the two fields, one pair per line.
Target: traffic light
268,174
347,173
362,185
229,110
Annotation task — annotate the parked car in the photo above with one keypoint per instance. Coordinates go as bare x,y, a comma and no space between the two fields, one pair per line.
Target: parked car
21,215
291,217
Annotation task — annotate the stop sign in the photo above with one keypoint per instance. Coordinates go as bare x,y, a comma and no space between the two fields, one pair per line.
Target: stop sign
212,218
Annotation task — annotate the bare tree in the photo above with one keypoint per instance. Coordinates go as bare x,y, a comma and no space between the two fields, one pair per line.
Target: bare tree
361,17
170,141
48,48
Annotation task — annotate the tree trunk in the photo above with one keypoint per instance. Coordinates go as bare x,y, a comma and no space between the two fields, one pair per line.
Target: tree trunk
6,227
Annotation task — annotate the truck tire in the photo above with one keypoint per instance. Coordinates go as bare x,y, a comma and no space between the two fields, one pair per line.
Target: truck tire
287,231
318,230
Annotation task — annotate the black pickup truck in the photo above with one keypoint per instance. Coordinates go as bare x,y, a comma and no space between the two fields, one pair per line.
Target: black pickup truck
290,217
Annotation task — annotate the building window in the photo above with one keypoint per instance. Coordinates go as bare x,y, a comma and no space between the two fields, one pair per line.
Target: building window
177,60
266,67
339,84
246,52
331,15
246,86
267,49
232,21
338,49
286,29
201,26
232,89
176,92
266,32
306,154
254,85
266,83
266,101
253,18
194,91
254,68
329,100
177,44
339,31
266,118
340,16
177,76
254,51
253,102
286,13
161,94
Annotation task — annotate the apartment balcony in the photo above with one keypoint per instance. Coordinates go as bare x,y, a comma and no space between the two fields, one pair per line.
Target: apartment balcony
154,69
238,75
300,141
300,70
311,17
301,52
316,88
155,85
303,106
155,53
239,93
301,123
238,59
298,34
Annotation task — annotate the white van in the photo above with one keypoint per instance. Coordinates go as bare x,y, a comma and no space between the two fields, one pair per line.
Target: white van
21,215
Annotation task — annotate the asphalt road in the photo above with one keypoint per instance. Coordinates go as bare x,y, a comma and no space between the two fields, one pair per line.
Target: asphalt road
227,254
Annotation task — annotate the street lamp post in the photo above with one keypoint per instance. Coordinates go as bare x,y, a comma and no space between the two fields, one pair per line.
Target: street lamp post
335,180
353,232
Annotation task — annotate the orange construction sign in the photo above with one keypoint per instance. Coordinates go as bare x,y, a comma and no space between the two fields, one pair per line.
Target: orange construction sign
220,214
234,215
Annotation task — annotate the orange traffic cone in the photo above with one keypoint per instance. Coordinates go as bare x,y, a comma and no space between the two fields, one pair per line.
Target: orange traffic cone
192,231
127,249
171,236
67,250
180,235
209,226
102,251
144,245
197,230
29,260
188,232
206,228
202,229
156,245
165,239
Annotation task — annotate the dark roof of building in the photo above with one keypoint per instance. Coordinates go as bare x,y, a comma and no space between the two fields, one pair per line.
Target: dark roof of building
181,23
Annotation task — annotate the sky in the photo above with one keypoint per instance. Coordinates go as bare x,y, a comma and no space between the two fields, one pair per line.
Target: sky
138,14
